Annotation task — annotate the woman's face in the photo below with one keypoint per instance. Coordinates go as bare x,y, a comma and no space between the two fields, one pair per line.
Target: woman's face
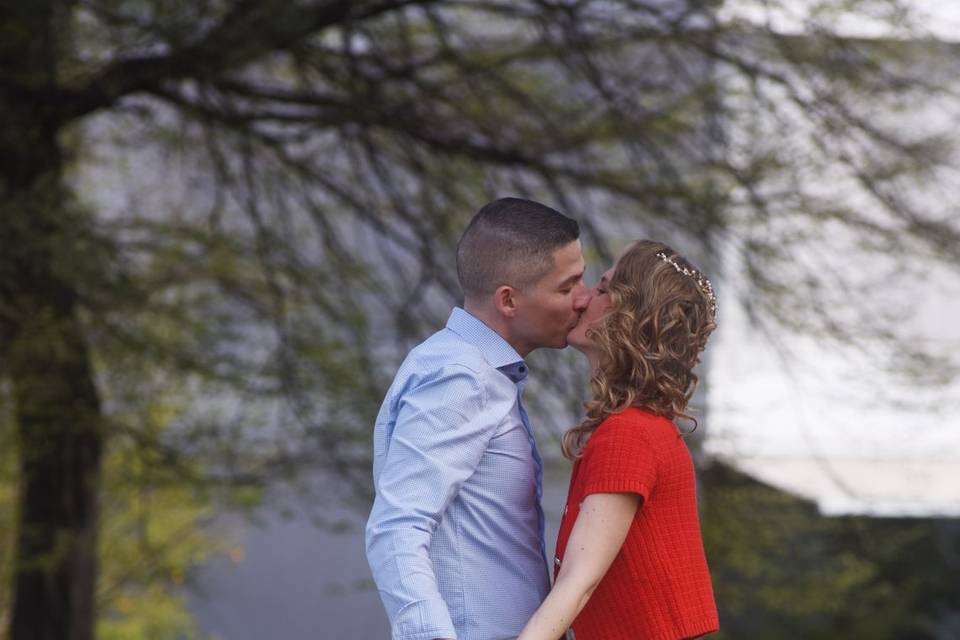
578,337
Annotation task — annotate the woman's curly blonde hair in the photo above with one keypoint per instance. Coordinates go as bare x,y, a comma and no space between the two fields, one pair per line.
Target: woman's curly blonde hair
649,340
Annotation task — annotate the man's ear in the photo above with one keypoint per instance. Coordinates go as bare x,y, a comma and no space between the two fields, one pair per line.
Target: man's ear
505,301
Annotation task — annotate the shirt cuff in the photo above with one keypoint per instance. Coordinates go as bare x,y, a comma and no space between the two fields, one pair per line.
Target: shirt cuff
423,620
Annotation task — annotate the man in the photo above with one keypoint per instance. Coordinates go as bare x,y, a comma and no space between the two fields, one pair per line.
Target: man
455,537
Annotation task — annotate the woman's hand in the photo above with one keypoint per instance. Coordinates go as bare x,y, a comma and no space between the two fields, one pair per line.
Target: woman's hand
598,534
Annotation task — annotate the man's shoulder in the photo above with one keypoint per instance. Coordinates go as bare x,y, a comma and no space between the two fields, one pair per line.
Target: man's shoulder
445,350
442,359
443,354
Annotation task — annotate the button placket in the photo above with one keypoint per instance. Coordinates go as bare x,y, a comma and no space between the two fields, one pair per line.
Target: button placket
520,383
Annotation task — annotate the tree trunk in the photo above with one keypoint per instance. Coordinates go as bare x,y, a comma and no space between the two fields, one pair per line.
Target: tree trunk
57,410
57,415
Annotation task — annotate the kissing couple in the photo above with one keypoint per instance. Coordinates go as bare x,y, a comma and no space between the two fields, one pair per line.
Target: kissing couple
455,538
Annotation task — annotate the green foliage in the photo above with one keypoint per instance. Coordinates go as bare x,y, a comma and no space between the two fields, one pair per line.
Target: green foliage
782,570
154,531
152,534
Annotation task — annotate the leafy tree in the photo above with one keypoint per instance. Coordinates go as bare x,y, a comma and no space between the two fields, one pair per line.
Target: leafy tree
294,177
155,528
781,569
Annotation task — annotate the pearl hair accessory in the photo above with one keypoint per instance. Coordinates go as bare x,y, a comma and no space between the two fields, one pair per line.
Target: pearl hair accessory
702,283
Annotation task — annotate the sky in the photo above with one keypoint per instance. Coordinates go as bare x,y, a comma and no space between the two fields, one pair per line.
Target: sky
936,18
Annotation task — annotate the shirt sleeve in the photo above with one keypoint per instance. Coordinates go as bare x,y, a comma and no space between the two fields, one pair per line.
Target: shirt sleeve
619,459
437,442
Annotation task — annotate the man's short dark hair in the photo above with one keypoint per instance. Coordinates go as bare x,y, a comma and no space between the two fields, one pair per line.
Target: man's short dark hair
510,242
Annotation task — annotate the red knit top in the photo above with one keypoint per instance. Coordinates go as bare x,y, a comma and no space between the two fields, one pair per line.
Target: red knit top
658,587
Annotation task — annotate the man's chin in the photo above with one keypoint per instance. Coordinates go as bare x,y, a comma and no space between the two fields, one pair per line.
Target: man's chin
570,339
562,343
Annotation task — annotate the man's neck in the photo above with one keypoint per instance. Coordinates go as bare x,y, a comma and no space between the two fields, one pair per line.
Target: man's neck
496,322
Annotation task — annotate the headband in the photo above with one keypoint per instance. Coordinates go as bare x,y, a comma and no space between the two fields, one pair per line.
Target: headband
702,283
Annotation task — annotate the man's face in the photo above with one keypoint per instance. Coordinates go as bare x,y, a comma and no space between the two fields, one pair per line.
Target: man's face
548,310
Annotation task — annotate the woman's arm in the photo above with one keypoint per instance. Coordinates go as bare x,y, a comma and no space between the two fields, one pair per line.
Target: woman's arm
598,534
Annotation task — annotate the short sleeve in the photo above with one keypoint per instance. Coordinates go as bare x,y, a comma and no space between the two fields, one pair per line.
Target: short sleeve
618,458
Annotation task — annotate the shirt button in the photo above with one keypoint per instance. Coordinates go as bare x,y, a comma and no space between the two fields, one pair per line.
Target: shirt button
556,561
565,507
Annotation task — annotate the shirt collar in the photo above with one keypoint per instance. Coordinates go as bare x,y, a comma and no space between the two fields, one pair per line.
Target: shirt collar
491,344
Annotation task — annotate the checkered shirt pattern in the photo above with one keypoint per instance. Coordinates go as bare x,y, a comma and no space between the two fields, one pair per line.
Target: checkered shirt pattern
455,539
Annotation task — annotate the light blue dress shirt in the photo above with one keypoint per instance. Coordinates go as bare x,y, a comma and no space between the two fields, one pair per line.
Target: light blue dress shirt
455,539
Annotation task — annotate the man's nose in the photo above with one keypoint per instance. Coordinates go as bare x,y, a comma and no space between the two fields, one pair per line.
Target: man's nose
581,298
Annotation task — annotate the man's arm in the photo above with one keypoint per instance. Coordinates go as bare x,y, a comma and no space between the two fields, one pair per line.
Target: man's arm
439,437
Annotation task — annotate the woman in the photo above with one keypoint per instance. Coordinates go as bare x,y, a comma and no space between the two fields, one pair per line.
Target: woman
630,561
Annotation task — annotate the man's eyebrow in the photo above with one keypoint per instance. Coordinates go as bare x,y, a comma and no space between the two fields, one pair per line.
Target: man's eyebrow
572,279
